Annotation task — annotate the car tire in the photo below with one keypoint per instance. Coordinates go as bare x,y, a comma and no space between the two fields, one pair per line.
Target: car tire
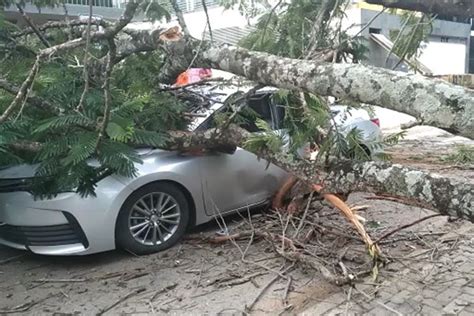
143,226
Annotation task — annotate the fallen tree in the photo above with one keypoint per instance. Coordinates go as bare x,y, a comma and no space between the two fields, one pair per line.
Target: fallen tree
435,102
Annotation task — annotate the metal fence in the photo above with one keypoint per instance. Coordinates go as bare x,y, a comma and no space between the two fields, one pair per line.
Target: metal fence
96,3
185,5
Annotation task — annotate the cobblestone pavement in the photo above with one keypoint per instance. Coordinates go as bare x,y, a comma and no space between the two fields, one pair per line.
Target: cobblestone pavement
435,280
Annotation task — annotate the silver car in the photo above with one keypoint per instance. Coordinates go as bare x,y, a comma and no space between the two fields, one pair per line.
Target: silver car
152,211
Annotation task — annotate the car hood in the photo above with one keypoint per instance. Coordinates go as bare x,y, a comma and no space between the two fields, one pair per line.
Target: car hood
18,171
28,171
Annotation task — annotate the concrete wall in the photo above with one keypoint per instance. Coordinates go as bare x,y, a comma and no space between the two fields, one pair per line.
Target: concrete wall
449,57
46,14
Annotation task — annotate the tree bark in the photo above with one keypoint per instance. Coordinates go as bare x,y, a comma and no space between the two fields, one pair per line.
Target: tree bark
433,101
440,193
460,8
443,194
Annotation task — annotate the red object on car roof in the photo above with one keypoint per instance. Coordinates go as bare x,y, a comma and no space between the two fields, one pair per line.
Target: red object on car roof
193,75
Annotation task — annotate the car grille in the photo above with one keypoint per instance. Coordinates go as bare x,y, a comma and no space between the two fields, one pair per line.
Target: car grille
53,235
14,185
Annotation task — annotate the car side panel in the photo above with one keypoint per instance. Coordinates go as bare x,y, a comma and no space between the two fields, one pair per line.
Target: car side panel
232,182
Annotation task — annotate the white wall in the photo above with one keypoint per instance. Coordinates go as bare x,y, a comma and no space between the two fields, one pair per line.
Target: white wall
441,57
220,18
352,21
445,58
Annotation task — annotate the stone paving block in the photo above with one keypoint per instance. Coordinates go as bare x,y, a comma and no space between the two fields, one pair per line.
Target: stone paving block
467,267
428,293
469,309
467,297
352,310
326,305
407,286
455,306
406,308
468,290
380,311
429,311
399,298
448,295
433,303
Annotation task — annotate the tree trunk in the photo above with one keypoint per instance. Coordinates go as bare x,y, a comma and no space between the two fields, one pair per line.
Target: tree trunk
433,101
432,191
436,192
460,8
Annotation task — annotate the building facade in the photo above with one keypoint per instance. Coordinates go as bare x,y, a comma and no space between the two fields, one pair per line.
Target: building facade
449,49
446,51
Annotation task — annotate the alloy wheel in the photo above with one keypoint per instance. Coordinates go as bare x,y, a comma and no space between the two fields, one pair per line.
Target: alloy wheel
154,218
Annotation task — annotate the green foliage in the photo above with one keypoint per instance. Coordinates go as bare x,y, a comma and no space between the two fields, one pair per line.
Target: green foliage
464,154
249,9
414,31
267,140
72,156
286,30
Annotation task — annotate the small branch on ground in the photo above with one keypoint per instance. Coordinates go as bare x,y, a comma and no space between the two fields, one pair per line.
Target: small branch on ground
265,288
121,300
390,233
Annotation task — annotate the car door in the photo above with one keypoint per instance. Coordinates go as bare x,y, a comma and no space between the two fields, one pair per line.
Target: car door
236,181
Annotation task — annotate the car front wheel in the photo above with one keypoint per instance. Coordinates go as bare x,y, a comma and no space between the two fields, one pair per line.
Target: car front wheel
152,219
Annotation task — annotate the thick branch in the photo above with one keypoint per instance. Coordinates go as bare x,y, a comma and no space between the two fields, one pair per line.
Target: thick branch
323,15
435,102
440,193
59,25
33,100
22,92
32,26
180,16
446,195
461,8
109,33
107,94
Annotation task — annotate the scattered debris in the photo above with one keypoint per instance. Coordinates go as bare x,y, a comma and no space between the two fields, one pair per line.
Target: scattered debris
122,299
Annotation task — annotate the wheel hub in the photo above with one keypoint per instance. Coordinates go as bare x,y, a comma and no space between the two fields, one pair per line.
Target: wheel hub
154,218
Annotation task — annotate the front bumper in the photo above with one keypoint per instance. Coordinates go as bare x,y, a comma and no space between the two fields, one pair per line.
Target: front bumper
50,239
64,225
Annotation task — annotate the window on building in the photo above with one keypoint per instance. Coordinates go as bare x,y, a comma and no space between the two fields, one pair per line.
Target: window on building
96,3
373,30
194,5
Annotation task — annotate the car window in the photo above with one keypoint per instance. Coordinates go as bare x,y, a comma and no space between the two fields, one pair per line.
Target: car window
258,106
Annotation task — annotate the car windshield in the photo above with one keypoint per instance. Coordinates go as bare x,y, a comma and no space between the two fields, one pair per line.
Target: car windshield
258,106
